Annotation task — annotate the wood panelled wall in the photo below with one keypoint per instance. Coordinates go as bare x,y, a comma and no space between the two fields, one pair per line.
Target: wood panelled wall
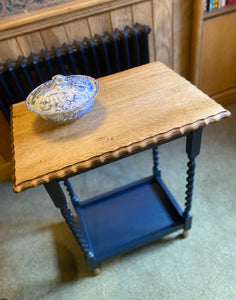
169,40
170,21
213,52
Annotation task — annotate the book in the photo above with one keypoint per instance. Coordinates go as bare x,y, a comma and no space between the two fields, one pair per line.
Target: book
222,3
213,4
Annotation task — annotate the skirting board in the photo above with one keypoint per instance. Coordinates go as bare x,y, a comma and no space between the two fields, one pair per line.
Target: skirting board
6,170
226,97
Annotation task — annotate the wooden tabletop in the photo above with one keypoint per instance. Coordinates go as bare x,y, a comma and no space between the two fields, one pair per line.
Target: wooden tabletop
134,109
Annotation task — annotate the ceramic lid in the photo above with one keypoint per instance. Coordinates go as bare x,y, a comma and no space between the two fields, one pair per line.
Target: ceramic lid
62,93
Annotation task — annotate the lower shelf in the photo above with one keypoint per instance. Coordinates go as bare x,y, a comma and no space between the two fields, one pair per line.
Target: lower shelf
130,217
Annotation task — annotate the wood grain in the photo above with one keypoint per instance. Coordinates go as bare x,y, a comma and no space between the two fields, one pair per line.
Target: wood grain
77,30
162,22
31,42
196,38
57,15
121,17
100,24
182,22
54,37
142,14
9,50
134,110
218,55
67,22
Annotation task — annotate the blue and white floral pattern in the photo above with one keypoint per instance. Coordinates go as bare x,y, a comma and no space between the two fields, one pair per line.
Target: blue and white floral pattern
64,98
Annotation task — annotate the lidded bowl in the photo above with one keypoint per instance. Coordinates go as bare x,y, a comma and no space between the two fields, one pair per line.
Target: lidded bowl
63,98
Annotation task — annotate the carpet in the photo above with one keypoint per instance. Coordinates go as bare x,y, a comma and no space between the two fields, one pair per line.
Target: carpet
39,258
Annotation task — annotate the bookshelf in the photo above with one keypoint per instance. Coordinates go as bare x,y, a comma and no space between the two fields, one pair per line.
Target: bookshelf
213,65
219,11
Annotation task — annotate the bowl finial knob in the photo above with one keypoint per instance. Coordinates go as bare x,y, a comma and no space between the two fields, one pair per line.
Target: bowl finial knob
59,81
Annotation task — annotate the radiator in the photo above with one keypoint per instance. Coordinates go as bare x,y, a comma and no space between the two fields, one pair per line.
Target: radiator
103,55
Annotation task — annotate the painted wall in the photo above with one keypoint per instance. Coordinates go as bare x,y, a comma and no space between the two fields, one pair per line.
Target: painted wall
9,8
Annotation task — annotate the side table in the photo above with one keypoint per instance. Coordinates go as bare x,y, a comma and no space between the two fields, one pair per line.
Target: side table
135,109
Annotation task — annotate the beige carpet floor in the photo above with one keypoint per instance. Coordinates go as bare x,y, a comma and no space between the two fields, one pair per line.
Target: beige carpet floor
39,258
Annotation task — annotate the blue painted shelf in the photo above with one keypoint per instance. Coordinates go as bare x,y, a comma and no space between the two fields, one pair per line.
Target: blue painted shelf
130,217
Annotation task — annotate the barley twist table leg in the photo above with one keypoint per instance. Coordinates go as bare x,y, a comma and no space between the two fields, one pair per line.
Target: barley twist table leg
193,145
156,167
73,225
84,236
57,195
190,181
73,197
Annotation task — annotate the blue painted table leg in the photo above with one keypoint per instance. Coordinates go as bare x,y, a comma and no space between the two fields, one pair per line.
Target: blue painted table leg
156,167
193,145
85,241
58,197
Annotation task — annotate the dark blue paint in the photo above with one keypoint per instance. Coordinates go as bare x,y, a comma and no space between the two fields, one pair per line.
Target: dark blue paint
131,216
156,166
12,69
26,72
193,145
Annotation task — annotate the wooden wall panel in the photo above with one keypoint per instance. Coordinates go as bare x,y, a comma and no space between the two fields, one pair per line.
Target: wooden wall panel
121,17
9,49
100,23
162,26
157,13
54,36
5,145
218,55
182,12
67,22
77,30
31,42
142,13
196,37
226,97
6,171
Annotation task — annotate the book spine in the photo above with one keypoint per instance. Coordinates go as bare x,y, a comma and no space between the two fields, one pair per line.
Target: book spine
222,3
213,4
229,2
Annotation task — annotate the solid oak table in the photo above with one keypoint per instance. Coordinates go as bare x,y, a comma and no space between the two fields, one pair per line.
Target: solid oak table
134,110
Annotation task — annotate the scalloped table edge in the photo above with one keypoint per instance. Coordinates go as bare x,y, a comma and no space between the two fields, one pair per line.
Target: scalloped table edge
101,159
